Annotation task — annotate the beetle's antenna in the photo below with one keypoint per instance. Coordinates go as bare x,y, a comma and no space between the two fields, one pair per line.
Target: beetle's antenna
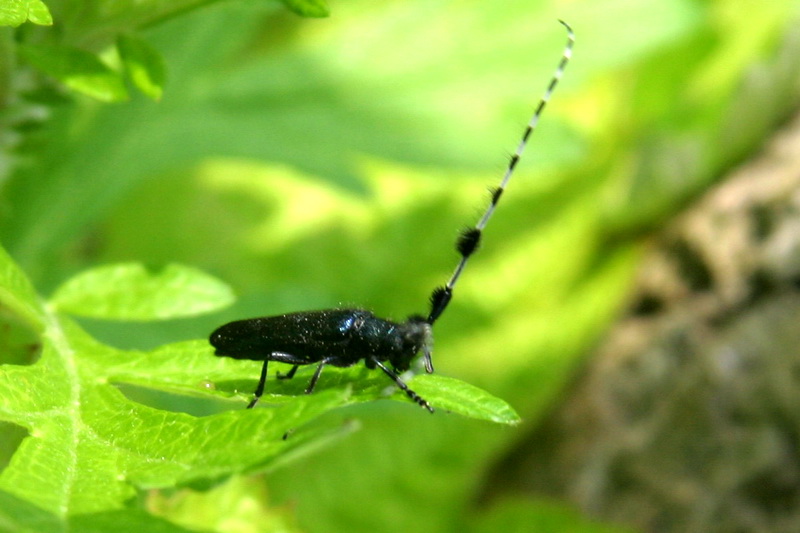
469,240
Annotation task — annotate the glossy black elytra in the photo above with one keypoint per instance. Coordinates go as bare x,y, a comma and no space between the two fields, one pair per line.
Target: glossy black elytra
343,337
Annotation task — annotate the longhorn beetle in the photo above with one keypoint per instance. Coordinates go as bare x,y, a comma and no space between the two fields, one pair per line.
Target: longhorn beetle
343,337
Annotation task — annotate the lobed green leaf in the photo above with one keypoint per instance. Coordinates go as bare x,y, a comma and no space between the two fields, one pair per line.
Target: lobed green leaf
129,292
90,448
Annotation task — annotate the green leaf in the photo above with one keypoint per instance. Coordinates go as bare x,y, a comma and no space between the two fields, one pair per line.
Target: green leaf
144,65
77,69
308,8
456,396
129,292
16,12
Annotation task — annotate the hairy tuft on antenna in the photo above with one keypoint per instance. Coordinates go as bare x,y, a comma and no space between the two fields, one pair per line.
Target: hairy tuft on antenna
440,297
468,241
496,193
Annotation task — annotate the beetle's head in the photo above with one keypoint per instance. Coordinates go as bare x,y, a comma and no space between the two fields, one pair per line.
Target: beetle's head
417,337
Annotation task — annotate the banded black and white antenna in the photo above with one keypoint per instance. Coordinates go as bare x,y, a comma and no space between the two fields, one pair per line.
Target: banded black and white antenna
469,240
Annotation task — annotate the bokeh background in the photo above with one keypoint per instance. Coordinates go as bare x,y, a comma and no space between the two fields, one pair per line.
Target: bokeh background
617,302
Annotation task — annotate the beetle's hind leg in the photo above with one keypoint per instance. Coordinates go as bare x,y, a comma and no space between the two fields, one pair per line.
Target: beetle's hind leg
289,374
260,388
274,356
335,361
315,377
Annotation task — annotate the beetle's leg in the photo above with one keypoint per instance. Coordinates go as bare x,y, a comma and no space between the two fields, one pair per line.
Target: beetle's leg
260,387
411,394
289,374
315,377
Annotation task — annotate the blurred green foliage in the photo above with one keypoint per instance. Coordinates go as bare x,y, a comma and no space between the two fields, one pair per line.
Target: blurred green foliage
315,163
